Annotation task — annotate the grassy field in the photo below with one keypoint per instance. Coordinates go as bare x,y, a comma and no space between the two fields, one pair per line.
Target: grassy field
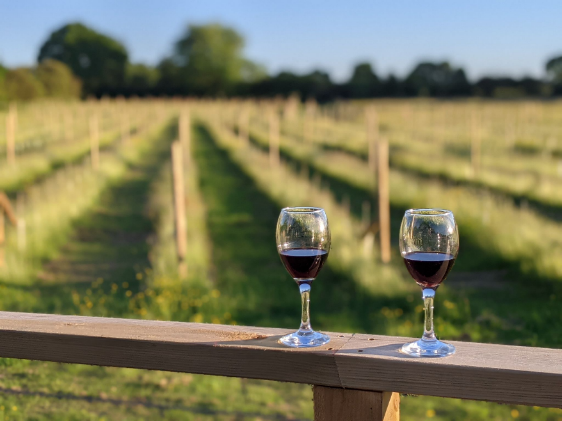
102,243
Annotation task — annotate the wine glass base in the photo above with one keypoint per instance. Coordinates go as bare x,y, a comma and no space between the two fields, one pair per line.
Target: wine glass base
428,349
307,339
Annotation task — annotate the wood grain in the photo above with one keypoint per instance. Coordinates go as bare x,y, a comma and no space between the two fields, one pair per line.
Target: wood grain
487,372
336,404
496,373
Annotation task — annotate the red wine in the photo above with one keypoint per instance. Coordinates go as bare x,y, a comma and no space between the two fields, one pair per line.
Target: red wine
303,263
429,269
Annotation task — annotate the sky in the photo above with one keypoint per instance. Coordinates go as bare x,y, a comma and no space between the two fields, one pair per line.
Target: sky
490,37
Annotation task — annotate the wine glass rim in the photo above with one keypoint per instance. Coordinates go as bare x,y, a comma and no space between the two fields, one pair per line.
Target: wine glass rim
302,209
429,212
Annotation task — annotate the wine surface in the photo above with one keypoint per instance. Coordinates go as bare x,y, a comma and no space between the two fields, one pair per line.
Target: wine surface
303,263
429,269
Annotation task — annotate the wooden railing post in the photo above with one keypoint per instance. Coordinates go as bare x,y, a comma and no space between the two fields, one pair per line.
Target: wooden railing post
335,404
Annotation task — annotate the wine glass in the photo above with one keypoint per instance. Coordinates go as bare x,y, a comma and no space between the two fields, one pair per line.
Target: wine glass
429,243
303,243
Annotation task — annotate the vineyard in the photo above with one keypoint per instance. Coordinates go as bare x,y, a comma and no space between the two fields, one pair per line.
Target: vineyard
166,210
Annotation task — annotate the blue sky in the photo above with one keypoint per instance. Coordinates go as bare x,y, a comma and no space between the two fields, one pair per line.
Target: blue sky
485,37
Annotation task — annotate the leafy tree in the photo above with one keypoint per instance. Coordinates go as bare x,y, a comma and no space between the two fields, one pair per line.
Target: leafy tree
364,83
209,60
57,79
141,79
3,71
554,69
506,87
316,84
98,60
21,84
171,81
392,87
554,72
437,79
252,72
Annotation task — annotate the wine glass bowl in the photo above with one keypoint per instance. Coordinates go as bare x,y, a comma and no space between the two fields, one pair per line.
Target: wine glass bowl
429,244
303,242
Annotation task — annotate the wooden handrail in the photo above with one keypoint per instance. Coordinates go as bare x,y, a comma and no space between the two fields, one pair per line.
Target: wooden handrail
496,373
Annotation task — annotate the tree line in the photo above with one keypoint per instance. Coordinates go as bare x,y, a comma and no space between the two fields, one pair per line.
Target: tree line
208,60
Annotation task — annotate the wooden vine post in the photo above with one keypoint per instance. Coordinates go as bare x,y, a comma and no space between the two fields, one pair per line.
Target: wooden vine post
291,108
185,136
11,119
68,126
94,142
476,140
20,210
125,126
384,200
337,404
179,206
243,129
309,114
273,138
5,210
2,237
369,228
372,127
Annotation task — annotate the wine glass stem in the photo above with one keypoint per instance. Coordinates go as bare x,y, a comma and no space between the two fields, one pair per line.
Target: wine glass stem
305,316
428,297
